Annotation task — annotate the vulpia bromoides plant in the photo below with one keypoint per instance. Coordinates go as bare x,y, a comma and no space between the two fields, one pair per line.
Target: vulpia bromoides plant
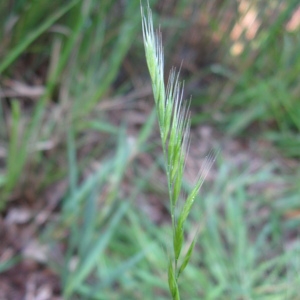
174,124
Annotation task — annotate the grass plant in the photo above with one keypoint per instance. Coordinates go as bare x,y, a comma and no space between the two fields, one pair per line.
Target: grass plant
80,61
261,91
174,124
98,229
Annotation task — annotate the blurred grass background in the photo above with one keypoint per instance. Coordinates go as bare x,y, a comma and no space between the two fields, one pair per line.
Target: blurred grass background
79,146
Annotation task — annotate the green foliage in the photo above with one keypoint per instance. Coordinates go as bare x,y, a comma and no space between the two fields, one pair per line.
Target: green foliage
105,243
80,46
29,38
91,229
263,79
174,125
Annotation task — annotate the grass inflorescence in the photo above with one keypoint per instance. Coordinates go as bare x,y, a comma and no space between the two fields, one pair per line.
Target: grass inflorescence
70,75
174,124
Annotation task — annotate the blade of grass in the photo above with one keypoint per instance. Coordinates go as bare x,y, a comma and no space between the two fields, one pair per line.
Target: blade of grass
86,266
19,49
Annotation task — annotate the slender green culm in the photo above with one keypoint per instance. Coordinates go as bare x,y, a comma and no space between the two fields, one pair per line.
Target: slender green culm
174,124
